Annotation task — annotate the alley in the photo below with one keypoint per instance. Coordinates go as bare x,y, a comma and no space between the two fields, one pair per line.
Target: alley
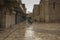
34,32
29,19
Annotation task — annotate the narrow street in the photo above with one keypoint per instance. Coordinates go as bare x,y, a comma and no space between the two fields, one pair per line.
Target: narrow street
29,19
35,31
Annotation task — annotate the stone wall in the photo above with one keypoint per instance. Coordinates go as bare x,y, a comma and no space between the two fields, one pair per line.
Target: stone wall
6,19
49,10
36,12
10,20
54,10
42,11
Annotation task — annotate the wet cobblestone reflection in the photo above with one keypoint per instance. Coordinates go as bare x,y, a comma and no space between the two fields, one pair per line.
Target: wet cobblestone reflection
30,33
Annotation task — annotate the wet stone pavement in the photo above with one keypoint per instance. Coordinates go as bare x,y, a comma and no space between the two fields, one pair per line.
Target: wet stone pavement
34,32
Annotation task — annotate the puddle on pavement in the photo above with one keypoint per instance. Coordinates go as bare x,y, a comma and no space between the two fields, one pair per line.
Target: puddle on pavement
30,35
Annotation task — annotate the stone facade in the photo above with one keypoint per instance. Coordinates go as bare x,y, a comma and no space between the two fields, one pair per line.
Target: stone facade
36,13
42,11
54,10
7,18
10,19
49,10
11,14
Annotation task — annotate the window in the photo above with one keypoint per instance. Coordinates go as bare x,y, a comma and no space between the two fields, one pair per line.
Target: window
53,5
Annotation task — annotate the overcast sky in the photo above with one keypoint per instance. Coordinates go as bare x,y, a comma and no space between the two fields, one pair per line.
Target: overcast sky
30,3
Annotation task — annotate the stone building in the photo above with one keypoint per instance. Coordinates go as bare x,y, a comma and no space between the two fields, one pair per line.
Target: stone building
50,10
54,10
47,11
42,11
11,12
36,12
24,12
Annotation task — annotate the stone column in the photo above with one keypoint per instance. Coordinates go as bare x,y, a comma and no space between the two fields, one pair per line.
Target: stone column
46,10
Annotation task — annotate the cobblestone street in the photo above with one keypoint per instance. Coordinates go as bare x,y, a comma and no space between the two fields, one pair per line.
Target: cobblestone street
35,31
29,19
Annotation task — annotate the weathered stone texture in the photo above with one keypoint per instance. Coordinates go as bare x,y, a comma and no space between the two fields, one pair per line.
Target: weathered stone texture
49,10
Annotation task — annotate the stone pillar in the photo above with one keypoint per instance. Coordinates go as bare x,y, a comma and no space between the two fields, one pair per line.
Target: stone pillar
46,10
42,11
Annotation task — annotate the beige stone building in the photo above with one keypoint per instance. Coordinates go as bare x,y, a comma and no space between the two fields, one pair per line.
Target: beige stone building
50,10
36,12
47,11
11,12
54,10
42,11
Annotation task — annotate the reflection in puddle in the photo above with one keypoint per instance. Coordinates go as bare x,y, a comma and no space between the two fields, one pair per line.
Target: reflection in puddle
30,35
29,32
